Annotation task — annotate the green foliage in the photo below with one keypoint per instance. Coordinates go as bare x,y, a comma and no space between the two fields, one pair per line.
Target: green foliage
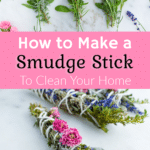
77,8
133,100
112,10
5,30
124,91
105,115
34,112
139,102
62,8
40,7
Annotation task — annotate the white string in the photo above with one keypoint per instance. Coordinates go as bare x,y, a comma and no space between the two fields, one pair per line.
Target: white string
119,99
111,93
36,92
94,119
97,93
87,107
55,136
48,130
66,99
41,109
48,119
52,94
82,102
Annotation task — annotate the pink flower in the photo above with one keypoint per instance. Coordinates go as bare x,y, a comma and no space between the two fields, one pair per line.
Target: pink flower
55,112
82,90
13,29
115,90
71,137
5,25
60,125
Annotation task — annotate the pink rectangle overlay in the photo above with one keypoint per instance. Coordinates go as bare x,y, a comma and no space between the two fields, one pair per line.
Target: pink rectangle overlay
137,77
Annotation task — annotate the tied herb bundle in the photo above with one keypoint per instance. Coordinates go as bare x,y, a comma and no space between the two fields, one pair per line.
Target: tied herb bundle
40,7
112,10
57,132
101,107
77,8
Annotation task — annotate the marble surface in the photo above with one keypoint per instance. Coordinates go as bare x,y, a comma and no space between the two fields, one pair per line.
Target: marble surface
24,18
18,133
16,125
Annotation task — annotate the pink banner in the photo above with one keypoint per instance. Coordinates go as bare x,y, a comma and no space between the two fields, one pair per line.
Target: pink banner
74,60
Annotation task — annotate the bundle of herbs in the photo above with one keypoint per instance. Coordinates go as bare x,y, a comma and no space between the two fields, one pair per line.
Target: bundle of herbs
101,107
112,10
41,8
57,131
77,8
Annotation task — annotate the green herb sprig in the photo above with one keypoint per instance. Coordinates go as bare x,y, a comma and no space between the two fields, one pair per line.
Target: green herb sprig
105,116
40,7
112,10
77,8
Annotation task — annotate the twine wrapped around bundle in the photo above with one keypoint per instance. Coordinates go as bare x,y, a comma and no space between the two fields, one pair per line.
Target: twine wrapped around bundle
100,107
57,132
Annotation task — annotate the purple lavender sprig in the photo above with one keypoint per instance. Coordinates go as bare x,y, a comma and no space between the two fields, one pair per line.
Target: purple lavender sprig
130,107
109,103
135,20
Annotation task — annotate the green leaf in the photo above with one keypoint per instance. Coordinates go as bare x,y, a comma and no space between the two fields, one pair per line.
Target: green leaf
50,1
28,6
99,5
31,3
62,8
118,3
70,1
85,3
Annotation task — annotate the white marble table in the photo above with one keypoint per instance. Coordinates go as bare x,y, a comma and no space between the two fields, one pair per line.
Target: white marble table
18,133
24,18
16,125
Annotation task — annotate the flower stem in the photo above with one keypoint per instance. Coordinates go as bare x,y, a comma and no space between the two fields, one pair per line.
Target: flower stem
141,25
44,16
